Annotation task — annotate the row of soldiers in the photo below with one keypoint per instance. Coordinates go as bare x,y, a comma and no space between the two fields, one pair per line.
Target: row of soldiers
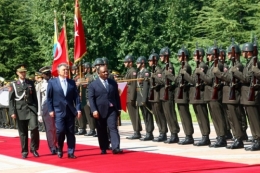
155,93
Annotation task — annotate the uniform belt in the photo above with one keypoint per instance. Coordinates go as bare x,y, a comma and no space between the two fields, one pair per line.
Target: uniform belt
139,89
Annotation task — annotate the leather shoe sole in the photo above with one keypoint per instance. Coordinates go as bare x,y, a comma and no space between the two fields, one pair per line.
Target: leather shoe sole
171,140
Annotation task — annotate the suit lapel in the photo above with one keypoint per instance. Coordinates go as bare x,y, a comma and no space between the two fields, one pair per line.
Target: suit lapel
101,84
68,86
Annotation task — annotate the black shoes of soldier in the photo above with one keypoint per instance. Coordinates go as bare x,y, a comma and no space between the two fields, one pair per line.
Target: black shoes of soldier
238,143
136,135
221,142
162,137
91,133
254,147
188,140
81,132
203,142
173,139
148,137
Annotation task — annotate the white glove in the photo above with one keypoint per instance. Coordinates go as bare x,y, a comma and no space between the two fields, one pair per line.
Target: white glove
40,119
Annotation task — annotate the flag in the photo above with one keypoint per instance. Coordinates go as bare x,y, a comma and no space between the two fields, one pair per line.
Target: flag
61,53
79,37
55,38
122,89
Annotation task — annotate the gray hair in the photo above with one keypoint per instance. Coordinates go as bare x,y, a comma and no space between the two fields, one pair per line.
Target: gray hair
62,65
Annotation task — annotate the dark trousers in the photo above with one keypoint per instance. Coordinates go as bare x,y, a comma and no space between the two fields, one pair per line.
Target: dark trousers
235,119
148,118
111,122
65,127
90,120
171,116
254,120
218,117
186,120
82,121
23,133
134,117
159,117
201,113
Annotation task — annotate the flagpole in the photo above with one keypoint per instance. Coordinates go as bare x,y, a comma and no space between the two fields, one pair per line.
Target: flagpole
66,43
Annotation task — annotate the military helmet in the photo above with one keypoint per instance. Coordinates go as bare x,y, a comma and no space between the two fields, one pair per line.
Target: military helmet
141,60
165,51
201,52
247,47
153,55
87,65
74,67
237,49
211,50
105,60
129,58
99,61
186,52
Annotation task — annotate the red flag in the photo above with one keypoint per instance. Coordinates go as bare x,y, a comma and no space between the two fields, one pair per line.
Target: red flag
79,40
61,53
122,89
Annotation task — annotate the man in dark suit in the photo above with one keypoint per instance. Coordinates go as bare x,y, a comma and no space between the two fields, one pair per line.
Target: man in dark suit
64,105
105,108
23,107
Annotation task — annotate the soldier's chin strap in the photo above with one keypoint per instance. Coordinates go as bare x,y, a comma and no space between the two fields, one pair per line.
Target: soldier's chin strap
18,98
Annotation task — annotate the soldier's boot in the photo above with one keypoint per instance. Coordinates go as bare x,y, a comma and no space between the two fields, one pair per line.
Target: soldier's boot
221,142
238,143
148,137
203,142
188,140
91,133
162,137
173,139
136,135
255,146
81,132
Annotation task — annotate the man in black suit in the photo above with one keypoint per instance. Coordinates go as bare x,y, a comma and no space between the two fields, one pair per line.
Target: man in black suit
105,108
64,104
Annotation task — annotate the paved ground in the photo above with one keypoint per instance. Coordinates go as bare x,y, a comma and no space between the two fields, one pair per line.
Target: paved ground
10,165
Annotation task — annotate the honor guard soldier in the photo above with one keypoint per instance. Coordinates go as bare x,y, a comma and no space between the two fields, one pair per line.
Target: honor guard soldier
156,82
231,96
43,114
213,95
38,84
196,97
23,107
182,96
131,97
142,98
250,91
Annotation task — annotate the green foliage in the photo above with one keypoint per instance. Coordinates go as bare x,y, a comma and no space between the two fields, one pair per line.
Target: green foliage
115,28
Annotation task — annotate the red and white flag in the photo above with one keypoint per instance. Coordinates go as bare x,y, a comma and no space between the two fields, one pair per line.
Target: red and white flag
80,48
122,89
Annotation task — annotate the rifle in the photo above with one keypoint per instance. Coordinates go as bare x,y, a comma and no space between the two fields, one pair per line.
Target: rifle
166,92
251,96
180,94
232,92
197,92
151,95
217,81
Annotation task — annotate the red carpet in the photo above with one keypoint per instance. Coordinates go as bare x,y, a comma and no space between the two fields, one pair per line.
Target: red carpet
89,159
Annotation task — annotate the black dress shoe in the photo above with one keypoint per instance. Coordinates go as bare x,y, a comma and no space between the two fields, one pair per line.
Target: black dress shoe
148,137
254,147
35,153
95,135
204,141
188,140
238,143
136,135
162,137
11,127
71,156
103,152
173,139
53,152
60,153
221,142
117,151
24,156
81,132
91,133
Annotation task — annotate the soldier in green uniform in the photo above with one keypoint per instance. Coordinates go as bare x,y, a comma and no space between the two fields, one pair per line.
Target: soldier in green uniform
156,83
23,107
38,83
196,98
182,96
235,109
215,105
251,106
131,97
142,98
